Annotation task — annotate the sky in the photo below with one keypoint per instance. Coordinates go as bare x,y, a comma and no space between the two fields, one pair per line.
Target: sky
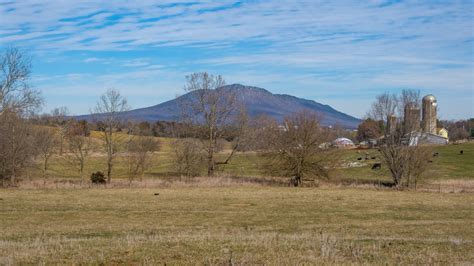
341,53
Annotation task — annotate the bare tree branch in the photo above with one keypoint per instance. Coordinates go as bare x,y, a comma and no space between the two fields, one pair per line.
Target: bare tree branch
108,109
208,110
15,92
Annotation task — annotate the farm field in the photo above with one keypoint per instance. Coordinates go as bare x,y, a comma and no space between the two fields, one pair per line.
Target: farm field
448,166
236,132
235,224
241,216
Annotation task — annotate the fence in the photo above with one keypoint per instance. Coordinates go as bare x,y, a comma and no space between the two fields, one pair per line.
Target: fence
467,187
461,186
444,188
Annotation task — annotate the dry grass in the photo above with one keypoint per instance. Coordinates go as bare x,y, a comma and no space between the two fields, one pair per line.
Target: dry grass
240,220
249,224
170,182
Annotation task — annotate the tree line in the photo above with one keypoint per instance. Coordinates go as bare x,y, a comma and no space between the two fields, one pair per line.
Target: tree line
23,143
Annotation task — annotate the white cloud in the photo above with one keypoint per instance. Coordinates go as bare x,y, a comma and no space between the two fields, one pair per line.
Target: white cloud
91,59
137,62
299,46
293,23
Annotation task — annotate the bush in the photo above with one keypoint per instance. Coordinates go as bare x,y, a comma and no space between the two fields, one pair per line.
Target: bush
98,178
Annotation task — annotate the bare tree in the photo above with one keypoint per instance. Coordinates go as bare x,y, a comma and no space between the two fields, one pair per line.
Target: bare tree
294,149
188,156
16,146
139,153
15,92
417,162
254,133
208,111
109,109
401,160
17,100
45,143
80,145
395,154
60,119
384,106
408,97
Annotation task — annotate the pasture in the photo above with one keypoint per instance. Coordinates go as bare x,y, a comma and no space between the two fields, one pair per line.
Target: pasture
445,168
239,217
244,224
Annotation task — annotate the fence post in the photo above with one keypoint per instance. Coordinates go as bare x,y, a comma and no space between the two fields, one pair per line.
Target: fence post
439,188
415,184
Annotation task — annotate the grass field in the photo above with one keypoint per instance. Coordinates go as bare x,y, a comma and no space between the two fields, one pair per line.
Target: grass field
239,224
237,218
448,166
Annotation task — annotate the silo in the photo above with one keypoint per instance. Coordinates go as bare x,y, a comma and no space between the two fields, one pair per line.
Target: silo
391,124
429,114
412,117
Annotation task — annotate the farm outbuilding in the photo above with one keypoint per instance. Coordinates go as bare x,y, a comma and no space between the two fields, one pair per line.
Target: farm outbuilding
343,143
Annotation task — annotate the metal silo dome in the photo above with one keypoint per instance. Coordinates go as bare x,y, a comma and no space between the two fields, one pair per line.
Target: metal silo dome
429,98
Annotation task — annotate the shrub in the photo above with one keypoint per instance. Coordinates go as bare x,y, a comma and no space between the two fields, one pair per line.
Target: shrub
98,178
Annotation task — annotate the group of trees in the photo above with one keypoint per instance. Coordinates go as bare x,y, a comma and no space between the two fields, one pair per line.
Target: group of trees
214,114
24,144
212,119
209,118
369,129
457,130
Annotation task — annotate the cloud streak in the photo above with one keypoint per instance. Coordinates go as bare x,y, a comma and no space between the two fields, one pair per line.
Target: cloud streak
285,45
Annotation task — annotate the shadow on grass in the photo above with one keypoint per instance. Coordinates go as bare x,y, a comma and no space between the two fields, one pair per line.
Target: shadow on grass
351,181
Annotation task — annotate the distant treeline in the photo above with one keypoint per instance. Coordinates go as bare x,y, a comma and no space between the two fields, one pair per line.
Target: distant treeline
156,129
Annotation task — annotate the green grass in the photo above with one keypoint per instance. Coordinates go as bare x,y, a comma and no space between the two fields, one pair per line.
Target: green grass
449,165
248,225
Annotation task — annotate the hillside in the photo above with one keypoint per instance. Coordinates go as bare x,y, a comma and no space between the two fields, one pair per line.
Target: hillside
258,101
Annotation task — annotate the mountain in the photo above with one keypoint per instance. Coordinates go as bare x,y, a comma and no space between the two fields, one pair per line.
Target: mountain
258,101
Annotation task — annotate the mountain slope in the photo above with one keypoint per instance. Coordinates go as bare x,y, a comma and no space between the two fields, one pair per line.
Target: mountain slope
258,101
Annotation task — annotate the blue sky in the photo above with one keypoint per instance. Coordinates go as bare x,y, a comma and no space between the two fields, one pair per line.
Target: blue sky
340,53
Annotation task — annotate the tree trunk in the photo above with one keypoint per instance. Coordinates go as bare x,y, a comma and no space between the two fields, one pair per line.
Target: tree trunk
210,165
45,168
44,178
12,177
110,152
210,155
82,173
61,140
109,170
397,179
